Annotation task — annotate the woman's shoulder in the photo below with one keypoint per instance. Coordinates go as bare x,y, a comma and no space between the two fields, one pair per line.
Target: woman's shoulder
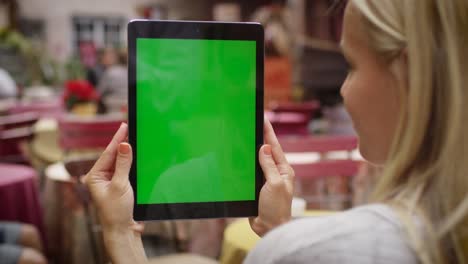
366,234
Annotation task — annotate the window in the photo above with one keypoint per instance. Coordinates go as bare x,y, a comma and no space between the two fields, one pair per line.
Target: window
100,31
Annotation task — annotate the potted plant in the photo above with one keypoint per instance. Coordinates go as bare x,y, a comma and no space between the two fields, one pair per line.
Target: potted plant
80,97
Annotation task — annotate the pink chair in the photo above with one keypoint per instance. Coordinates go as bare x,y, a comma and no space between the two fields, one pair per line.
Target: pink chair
319,144
289,118
53,108
18,120
95,133
325,184
15,130
289,123
305,108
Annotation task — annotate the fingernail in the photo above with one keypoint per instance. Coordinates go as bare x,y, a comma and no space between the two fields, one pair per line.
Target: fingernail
267,150
124,148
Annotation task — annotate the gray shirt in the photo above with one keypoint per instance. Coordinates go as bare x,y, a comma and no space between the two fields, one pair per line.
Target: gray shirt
7,85
367,234
114,82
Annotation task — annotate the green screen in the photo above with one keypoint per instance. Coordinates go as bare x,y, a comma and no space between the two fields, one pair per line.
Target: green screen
195,103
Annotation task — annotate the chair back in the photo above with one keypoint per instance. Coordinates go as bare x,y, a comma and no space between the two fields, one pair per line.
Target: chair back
50,109
288,124
77,167
326,168
87,133
319,144
16,129
19,120
307,109
325,183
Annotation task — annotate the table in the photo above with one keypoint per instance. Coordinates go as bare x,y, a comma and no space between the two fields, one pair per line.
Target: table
19,195
239,239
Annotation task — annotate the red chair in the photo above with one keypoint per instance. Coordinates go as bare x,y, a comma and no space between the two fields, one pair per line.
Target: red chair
292,118
319,144
325,184
289,123
95,133
307,109
15,131
53,108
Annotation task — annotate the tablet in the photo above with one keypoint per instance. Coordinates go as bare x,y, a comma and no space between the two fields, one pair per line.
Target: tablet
195,118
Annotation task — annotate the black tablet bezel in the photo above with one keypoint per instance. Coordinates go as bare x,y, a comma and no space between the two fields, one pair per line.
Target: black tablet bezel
195,30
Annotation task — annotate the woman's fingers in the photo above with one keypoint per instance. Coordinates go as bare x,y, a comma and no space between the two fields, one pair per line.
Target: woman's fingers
268,164
282,163
107,159
271,139
122,164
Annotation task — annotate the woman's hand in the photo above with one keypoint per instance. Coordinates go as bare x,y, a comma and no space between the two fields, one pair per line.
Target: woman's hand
275,201
112,194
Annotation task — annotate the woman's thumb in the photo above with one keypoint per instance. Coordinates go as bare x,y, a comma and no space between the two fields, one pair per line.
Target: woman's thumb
122,164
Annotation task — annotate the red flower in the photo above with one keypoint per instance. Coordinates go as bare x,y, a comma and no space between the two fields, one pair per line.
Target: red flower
82,90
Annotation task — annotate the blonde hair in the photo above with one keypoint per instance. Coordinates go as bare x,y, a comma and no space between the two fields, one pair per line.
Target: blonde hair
426,172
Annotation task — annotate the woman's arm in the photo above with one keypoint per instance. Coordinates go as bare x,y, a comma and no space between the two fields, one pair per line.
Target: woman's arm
112,194
124,246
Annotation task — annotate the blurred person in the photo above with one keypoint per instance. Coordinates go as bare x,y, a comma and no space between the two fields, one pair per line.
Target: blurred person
113,83
110,56
405,93
276,20
106,58
8,87
20,244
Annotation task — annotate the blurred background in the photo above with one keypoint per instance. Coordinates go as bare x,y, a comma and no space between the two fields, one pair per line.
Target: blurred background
63,94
